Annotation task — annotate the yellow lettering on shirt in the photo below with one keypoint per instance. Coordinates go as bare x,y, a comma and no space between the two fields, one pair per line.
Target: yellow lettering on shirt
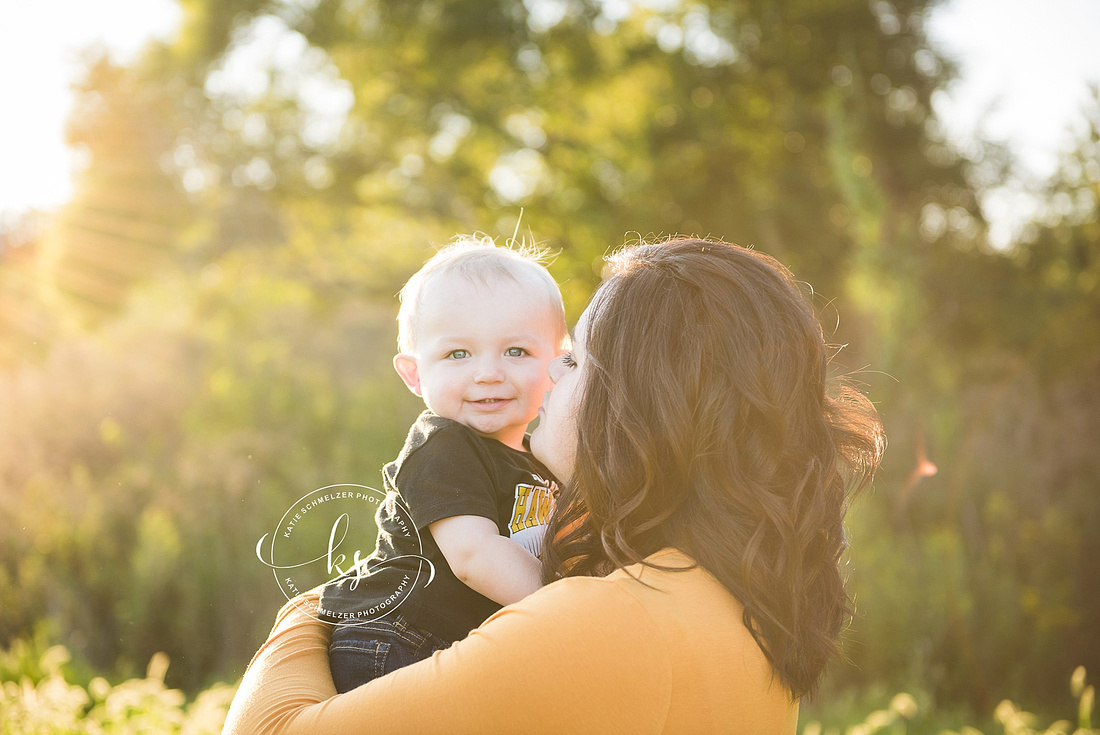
532,507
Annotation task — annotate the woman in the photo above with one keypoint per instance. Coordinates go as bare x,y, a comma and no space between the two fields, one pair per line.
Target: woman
706,472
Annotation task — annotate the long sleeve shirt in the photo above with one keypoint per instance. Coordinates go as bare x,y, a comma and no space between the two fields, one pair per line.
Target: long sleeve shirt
640,651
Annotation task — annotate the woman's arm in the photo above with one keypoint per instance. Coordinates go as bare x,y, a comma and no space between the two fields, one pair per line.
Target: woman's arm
288,675
579,655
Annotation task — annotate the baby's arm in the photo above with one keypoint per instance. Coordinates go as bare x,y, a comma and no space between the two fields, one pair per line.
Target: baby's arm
486,562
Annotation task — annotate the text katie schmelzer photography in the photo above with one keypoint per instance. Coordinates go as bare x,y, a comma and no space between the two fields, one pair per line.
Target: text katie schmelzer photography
328,533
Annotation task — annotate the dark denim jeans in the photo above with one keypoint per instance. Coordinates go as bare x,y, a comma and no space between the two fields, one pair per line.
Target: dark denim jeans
362,651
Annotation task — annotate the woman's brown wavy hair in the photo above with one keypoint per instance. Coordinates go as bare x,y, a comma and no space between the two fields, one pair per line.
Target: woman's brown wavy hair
705,424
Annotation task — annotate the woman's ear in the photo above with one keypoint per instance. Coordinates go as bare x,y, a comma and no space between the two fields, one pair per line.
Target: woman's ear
406,367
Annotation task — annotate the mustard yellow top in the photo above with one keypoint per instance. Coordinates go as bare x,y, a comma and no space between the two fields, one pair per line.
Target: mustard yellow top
659,652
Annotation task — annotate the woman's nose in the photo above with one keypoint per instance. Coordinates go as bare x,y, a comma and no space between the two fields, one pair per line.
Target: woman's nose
555,369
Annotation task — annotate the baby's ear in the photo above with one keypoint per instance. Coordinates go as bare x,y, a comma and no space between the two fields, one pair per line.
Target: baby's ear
406,367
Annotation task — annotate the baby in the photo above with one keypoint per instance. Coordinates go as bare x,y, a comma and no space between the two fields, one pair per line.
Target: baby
477,327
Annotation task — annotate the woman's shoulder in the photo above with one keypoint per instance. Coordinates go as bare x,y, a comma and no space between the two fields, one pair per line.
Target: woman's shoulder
683,601
691,629
587,615
670,578
668,592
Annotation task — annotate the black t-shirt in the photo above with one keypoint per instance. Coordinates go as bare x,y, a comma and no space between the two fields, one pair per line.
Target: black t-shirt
445,469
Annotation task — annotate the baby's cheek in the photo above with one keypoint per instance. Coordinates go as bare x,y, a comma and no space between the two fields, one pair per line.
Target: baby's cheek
543,378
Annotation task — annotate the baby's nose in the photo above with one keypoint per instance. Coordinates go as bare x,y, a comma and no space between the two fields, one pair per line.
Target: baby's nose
489,371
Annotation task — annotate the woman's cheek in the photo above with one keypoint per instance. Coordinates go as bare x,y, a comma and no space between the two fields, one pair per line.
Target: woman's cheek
545,444
563,441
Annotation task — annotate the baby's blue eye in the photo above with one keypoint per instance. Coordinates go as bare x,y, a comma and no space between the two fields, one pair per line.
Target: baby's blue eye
458,354
515,352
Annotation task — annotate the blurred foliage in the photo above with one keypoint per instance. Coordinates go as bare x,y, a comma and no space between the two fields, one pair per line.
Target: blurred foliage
909,714
38,698
204,333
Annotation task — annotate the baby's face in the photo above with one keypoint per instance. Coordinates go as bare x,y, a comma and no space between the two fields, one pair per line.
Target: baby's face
481,353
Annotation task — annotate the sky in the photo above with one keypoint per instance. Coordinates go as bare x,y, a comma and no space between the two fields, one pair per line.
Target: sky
40,43
1025,66
1024,70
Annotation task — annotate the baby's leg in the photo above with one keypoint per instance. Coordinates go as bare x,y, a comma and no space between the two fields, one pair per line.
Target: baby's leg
363,651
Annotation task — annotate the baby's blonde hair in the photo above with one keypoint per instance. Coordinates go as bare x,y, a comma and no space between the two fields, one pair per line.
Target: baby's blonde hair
480,260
